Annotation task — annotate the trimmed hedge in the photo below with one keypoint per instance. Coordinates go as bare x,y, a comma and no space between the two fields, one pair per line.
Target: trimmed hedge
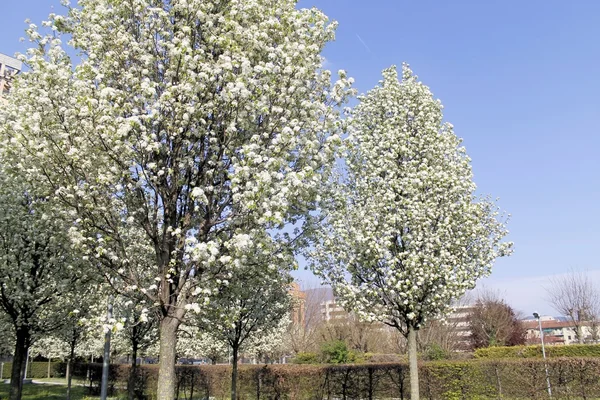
447,380
38,369
574,350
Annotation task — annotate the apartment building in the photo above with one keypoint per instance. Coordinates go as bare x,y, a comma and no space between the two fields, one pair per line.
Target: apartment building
331,310
298,313
9,67
557,331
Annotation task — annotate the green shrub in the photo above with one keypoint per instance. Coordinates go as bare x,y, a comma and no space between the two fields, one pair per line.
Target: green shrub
435,353
335,352
37,370
575,350
306,358
478,379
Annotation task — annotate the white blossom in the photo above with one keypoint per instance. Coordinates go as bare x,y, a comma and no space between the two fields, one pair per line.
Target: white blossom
186,117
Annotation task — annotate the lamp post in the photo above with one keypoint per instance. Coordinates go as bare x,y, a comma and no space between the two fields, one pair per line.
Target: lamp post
537,316
106,356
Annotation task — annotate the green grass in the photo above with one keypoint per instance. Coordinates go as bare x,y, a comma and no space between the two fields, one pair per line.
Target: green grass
39,391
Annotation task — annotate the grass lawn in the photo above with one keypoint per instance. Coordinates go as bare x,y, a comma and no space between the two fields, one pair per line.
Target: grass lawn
39,391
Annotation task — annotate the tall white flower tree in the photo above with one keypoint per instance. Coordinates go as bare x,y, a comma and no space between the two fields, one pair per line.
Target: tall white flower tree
268,343
180,119
402,233
139,332
50,347
194,343
38,266
248,306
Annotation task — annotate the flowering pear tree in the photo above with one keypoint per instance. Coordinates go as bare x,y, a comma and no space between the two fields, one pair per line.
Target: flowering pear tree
249,306
50,347
194,343
402,233
7,340
180,120
139,332
268,343
81,321
37,267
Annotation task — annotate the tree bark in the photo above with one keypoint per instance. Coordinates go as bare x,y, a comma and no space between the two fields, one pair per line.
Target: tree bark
412,363
49,362
19,362
133,371
234,372
166,362
69,367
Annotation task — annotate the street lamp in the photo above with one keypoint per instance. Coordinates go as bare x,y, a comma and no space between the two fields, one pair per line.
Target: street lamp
537,316
106,355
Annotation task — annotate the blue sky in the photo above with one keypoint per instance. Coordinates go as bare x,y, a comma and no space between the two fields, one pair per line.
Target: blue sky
518,81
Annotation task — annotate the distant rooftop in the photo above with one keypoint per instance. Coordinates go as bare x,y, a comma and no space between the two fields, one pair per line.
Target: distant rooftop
10,62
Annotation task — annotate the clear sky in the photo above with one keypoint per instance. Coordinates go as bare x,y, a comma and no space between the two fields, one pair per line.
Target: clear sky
519,82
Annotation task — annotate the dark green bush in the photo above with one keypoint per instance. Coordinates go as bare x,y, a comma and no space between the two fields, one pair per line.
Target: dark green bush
335,352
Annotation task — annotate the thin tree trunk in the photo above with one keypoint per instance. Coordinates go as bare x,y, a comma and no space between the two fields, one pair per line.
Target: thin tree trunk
412,363
166,362
19,362
133,371
49,362
70,365
234,373
69,378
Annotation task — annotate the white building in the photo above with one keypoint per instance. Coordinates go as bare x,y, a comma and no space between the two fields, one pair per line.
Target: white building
556,331
9,67
330,310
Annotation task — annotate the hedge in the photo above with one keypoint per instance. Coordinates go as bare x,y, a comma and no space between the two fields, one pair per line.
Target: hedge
574,350
38,369
443,380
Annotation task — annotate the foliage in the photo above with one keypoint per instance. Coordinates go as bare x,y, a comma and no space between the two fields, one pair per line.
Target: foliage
492,322
474,379
250,313
38,369
574,350
404,222
306,358
401,234
180,123
335,352
435,352
194,343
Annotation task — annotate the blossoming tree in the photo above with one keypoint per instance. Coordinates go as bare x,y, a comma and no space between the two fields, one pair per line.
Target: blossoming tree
180,119
402,233
138,333
195,343
37,267
251,304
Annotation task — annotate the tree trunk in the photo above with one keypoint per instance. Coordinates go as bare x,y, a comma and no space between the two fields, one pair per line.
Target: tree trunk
412,363
234,372
133,371
166,361
69,368
19,362
68,378
49,362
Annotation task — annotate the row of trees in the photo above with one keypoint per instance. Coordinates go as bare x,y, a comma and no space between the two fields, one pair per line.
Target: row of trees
189,152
